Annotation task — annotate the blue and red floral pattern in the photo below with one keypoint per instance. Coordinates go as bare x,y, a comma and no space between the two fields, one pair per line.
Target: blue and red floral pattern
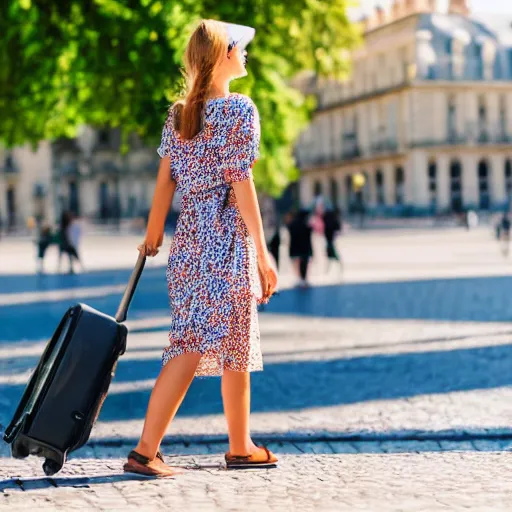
212,274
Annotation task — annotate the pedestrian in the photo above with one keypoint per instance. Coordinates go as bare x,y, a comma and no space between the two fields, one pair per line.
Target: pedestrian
219,267
46,238
504,234
75,233
65,244
332,226
275,244
301,247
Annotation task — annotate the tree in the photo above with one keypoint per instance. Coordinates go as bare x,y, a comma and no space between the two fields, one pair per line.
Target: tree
117,63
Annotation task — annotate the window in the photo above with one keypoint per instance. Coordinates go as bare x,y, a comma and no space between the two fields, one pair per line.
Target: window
432,183
503,118
379,188
478,64
349,191
399,186
483,185
483,135
334,193
448,46
452,118
456,186
317,189
508,179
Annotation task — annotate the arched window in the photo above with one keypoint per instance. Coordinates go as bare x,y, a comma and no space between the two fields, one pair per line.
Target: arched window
456,186
334,193
317,189
483,185
349,191
379,188
508,178
399,186
432,183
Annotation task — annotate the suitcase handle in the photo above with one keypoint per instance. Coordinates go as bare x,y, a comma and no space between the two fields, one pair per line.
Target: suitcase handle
130,289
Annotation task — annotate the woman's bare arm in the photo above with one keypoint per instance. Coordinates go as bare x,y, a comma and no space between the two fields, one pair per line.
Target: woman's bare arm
247,200
162,200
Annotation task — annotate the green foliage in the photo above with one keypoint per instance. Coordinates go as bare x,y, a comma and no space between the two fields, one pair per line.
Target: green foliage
116,62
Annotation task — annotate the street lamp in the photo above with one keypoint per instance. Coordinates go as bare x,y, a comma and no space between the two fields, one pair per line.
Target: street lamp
358,182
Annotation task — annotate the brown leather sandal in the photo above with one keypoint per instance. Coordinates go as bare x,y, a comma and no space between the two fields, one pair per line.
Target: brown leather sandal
141,465
263,458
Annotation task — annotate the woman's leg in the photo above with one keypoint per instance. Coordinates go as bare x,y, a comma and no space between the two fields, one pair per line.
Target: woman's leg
303,267
236,397
169,391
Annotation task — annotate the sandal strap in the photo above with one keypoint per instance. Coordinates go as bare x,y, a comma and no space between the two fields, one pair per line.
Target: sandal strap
230,457
141,459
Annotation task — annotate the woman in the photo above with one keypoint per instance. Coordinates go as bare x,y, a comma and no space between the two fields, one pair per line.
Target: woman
219,266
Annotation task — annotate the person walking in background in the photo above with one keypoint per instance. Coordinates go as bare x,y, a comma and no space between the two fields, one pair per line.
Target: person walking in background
301,248
275,244
504,234
46,238
219,266
332,226
65,245
75,233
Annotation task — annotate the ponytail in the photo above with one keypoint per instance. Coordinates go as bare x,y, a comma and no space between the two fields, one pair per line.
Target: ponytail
205,48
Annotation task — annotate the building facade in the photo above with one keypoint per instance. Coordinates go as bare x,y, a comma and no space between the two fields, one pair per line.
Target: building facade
425,117
88,175
25,185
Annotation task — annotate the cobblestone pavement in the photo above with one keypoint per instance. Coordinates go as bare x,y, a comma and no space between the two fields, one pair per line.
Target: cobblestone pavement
385,388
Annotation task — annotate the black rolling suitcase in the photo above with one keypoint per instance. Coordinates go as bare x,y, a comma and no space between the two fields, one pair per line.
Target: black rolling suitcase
66,391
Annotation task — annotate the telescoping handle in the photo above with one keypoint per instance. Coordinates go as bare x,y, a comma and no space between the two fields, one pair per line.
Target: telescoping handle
130,289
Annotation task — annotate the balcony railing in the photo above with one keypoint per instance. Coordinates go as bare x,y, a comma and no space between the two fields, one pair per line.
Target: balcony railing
454,68
384,145
472,134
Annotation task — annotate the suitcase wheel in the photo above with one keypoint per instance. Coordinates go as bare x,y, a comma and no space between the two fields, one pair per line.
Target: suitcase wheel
50,467
19,450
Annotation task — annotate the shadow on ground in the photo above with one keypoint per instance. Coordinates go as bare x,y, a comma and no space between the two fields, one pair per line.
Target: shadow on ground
478,299
295,385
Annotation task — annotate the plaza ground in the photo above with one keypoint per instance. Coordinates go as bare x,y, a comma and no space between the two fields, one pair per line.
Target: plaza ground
386,386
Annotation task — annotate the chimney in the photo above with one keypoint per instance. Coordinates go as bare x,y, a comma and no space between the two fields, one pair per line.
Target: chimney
397,10
416,6
458,7
380,15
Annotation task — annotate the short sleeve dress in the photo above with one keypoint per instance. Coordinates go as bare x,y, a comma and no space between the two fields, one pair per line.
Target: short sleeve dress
212,275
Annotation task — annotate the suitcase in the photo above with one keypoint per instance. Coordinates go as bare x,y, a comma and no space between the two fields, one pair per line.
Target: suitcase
65,393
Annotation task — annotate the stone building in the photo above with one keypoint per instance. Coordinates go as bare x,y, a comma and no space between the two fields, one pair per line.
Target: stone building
87,175
25,185
425,117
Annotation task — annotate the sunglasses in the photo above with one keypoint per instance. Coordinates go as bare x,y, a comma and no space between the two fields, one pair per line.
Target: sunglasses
232,45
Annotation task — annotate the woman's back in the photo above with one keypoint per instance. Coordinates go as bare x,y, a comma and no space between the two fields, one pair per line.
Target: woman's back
223,151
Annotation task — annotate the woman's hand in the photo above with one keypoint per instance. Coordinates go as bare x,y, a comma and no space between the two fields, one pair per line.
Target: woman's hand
268,276
151,244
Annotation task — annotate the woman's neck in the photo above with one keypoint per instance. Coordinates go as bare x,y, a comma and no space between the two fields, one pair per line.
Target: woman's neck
218,90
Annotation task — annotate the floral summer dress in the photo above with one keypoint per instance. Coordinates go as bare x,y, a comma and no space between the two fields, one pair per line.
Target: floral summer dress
212,275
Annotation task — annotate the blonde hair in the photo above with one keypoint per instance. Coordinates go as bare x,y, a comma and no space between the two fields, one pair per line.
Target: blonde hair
206,46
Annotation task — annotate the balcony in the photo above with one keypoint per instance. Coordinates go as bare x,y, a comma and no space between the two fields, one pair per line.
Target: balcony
472,134
455,68
351,152
380,145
